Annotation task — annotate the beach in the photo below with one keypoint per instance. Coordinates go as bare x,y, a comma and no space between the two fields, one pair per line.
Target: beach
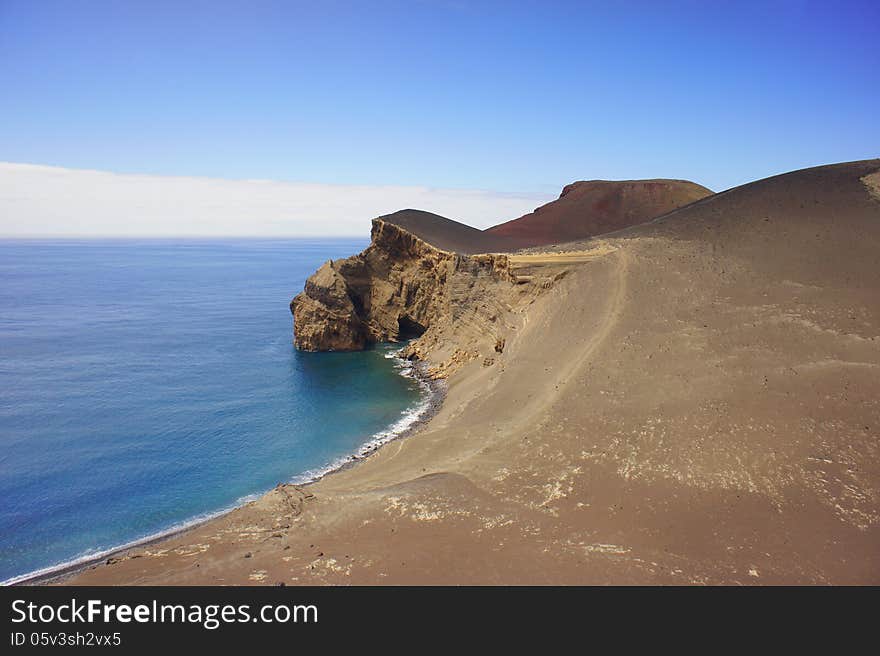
690,401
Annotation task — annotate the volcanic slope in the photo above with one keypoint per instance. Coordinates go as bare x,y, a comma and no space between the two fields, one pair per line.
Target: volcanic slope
583,209
589,208
694,400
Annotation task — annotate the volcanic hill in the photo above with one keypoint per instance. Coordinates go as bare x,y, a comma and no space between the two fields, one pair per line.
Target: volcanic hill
694,400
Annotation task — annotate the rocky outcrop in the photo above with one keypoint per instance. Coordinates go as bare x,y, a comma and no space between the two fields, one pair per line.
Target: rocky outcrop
324,314
399,288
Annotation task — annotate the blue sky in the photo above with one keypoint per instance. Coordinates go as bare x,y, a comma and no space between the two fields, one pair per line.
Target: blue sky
506,96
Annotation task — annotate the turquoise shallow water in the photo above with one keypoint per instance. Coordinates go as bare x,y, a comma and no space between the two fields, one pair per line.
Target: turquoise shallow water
147,383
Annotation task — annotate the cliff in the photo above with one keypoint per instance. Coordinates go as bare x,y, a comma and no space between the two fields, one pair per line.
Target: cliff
399,288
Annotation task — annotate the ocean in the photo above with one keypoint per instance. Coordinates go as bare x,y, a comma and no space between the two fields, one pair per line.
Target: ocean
148,384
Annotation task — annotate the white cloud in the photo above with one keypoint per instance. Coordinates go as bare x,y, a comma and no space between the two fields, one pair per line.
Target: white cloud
47,200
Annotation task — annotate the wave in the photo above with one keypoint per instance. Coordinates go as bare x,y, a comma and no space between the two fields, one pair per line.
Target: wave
92,556
410,418
431,391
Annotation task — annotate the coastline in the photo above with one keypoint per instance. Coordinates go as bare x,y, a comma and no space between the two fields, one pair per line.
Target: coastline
610,422
433,395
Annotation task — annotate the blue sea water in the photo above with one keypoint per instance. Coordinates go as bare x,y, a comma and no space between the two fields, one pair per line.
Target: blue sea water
147,383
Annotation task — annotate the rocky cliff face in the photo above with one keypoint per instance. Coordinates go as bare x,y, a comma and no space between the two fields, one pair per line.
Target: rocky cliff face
400,287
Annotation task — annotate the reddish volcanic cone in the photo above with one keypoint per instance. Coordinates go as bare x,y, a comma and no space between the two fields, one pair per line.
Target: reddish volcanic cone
594,207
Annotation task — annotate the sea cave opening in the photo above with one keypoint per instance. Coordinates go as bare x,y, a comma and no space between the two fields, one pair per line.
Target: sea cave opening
408,328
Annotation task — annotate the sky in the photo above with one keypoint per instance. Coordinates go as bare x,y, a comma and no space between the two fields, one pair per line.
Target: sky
481,109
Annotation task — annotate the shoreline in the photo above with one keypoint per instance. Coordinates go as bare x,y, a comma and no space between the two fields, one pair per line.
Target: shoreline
434,393
609,421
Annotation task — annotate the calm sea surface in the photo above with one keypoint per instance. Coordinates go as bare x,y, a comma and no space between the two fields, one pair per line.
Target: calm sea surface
147,383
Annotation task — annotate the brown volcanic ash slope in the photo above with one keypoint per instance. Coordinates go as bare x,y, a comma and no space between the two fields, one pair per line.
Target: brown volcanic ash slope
584,209
589,208
695,400
446,234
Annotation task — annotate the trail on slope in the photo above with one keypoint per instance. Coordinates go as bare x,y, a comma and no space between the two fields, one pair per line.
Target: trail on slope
608,322
610,318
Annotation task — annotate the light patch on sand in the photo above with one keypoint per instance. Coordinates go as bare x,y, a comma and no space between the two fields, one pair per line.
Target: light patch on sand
601,548
259,575
502,475
394,505
606,549
158,553
332,565
252,532
872,182
716,459
836,476
713,460
499,521
323,567
795,318
558,489
420,511
192,549
552,491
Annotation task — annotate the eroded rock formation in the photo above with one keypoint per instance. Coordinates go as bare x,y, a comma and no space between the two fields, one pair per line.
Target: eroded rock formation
400,287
